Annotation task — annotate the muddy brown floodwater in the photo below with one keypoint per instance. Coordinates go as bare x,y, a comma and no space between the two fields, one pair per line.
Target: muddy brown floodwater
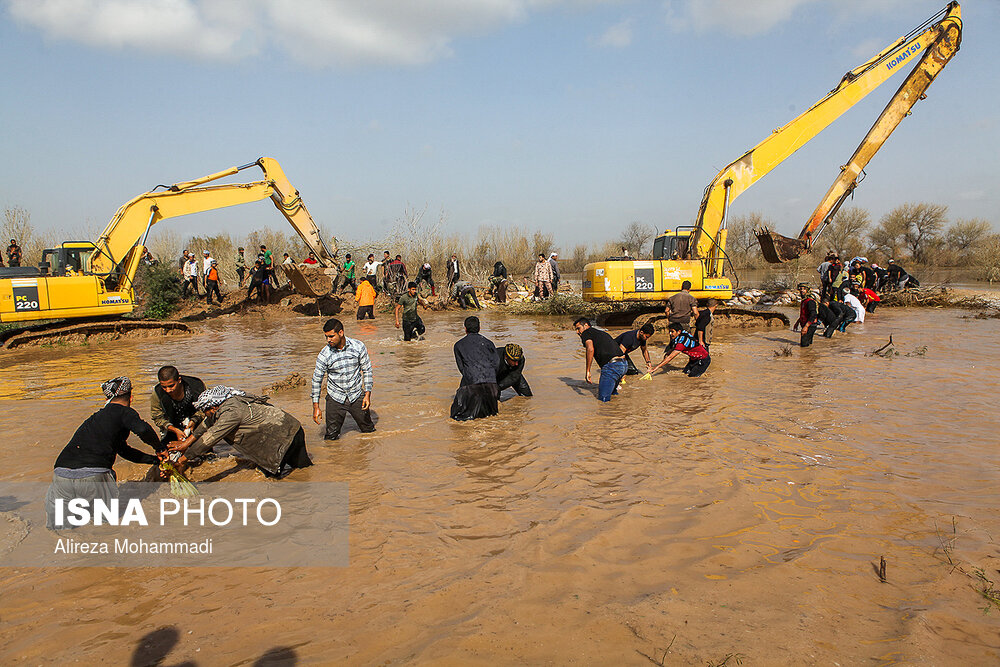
736,515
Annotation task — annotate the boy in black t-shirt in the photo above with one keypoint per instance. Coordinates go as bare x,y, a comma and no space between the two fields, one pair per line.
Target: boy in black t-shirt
635,339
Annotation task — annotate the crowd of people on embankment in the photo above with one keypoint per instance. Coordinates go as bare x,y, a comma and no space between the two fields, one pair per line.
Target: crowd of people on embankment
386,278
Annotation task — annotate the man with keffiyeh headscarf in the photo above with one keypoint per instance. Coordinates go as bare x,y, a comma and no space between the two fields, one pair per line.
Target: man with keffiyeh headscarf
268,436
84,467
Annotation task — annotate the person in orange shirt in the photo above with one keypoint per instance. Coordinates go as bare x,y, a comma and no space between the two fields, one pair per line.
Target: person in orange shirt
366,299
212,282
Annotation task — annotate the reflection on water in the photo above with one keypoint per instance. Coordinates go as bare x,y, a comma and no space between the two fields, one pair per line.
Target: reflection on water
739,512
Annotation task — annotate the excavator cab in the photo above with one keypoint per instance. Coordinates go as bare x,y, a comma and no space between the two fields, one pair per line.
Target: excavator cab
671,245
70,259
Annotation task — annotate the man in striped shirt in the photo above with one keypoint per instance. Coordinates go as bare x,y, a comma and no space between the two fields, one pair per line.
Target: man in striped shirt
348,371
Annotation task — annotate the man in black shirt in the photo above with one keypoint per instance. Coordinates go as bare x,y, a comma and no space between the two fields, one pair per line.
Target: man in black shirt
630,341
601,347
172,402
476,358
705,323
258,282
84,468
510,373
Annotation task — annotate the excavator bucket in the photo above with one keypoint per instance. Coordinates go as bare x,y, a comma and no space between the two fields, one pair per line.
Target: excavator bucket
316,285
777,248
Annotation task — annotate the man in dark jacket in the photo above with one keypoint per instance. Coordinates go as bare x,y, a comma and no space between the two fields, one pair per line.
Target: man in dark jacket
510,372
84,467
172,403
476,358
498,283
808,316
454,272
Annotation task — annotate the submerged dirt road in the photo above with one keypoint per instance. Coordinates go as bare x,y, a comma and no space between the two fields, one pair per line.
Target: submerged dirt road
736,515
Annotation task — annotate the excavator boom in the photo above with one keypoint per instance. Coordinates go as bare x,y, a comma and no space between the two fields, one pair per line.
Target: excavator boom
95,280
939,44
132,222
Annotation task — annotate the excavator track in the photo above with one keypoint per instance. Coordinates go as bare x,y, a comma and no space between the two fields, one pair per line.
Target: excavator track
77,331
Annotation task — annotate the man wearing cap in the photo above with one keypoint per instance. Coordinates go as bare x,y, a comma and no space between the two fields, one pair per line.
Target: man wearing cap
269,437
84,468
424,276
555,272
510,372
543,278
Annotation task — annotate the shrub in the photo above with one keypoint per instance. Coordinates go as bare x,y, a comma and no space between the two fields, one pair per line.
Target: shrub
159,288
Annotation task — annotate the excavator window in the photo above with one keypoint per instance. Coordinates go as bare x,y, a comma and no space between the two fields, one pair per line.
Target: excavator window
670,247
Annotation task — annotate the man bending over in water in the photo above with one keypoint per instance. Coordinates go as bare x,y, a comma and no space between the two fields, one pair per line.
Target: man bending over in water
601,347
84,467
682,341
510,373
630,341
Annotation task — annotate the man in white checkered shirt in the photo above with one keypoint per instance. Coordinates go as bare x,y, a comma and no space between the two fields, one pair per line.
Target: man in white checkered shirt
348,370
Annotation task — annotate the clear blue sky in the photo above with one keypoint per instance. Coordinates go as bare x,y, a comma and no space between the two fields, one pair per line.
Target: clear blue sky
574,117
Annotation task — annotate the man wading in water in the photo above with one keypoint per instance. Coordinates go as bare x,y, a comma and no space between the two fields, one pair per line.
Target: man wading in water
631,341
601,347
476,357
349,381
406,304
269,437
808,316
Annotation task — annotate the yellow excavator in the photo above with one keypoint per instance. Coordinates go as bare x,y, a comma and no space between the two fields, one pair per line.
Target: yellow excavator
697,253
84,280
